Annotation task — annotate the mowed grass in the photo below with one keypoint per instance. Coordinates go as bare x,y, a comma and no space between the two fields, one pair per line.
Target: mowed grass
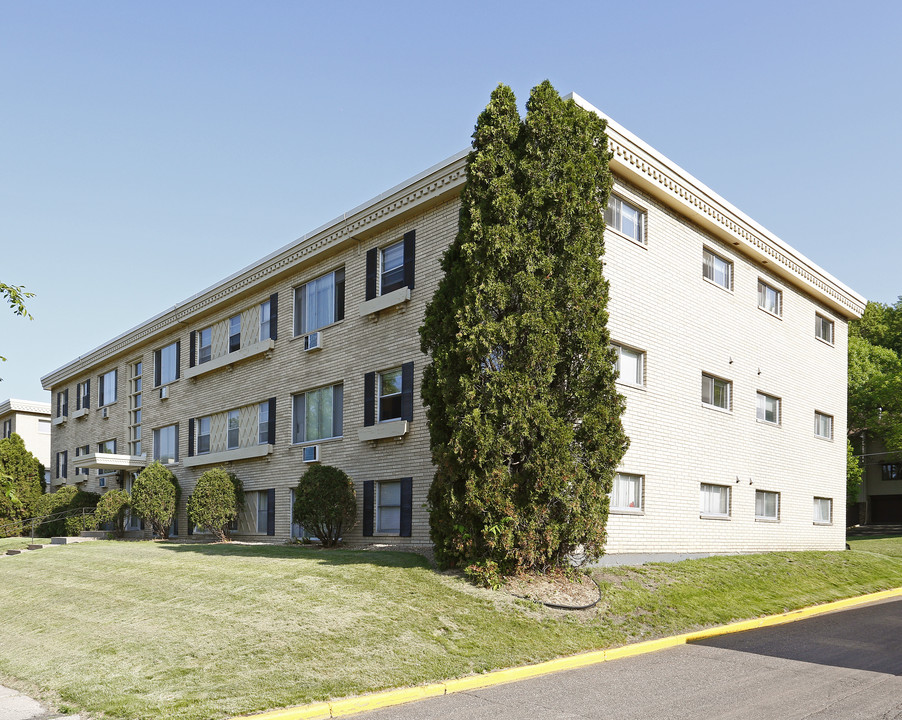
159,630
19,543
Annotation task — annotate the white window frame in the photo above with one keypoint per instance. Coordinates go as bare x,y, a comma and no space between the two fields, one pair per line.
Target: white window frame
233,429
824,328
262,510
819,504
761,402
640,364
628,487
396,267
337,402
380,396
613,217
83,395
710,382
819,417
235,332
263,423
203,425
107,446
765,292
79,451
204,345
168,459
710,261
705,510
44,426
107,388
299,313
761,513
265,319
380,506
167,357
7,428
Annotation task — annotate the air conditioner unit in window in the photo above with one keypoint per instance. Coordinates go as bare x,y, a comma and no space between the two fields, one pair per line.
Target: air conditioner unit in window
311,454
313,341
104,413
164,392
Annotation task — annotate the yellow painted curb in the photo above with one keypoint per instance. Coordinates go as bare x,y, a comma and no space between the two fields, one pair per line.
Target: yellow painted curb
388,698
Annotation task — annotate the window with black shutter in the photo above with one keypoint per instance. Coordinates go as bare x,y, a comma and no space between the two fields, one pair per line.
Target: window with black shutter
369,399
369,507
406,507
271,511
274,316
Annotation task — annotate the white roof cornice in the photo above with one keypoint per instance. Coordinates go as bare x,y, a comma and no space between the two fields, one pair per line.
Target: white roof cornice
26,406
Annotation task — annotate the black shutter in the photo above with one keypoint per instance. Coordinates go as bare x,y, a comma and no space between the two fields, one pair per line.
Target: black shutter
191,437
271,430
407,392
339,294
87,393
371,274
409,257
192,348
100,396
369,399
369,507
406,507
65,463
274,316
142,523
178,359
66,402
79,392
271,511
175,521
156,369
190,527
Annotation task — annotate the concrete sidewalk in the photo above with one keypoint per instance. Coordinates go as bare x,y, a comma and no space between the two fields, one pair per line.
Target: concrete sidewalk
16,706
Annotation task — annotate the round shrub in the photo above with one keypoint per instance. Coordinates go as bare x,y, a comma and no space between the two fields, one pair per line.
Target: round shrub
111,509
216,501
155,497
69,500
325,503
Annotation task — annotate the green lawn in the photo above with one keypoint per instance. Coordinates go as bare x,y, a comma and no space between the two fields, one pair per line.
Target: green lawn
19,543
158,630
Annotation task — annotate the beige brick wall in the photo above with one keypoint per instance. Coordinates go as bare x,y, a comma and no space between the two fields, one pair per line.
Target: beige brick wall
660,304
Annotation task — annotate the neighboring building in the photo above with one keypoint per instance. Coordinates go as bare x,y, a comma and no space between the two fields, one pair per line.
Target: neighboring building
31,421
732,357
880,494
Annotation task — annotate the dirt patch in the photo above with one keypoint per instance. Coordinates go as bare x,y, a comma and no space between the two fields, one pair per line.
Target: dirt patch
559,590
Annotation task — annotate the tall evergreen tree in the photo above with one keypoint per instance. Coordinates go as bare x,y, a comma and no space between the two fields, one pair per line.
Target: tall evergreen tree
524,416
25,479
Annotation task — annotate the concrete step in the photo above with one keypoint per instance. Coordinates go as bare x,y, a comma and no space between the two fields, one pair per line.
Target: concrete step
94,534
14,552
36,547
69,540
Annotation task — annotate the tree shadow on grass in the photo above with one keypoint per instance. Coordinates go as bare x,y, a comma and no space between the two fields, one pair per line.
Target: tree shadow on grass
323,556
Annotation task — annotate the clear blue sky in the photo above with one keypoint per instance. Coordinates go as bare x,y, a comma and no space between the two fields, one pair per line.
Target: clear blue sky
147,150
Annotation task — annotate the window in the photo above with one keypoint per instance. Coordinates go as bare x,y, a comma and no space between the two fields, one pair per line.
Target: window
107,446
392,268
83,395
823,328
627,492
166,364
390,395
262,511
891,471
630,364
166,444
715,500
625,218
135,412
234,333
717,270
263,423
205,348
767,505
203,435
388,507
7,428
823,425
44,427
232,437
319,302
716,392
106,388
264,320
62,403
768,409
770,299
823,511
318,414
79,451
62,464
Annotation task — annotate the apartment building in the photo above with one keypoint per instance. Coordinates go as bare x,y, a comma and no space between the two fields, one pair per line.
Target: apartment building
731,351
30,420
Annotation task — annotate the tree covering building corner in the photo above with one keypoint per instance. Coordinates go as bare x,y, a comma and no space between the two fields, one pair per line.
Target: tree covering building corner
524,416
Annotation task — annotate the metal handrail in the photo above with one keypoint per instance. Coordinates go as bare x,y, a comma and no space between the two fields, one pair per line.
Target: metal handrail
39,520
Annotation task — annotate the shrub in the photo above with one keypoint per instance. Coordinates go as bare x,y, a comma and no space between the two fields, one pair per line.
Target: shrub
67,499
216,501
76,523
111,509
155,497
24,482
325,503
